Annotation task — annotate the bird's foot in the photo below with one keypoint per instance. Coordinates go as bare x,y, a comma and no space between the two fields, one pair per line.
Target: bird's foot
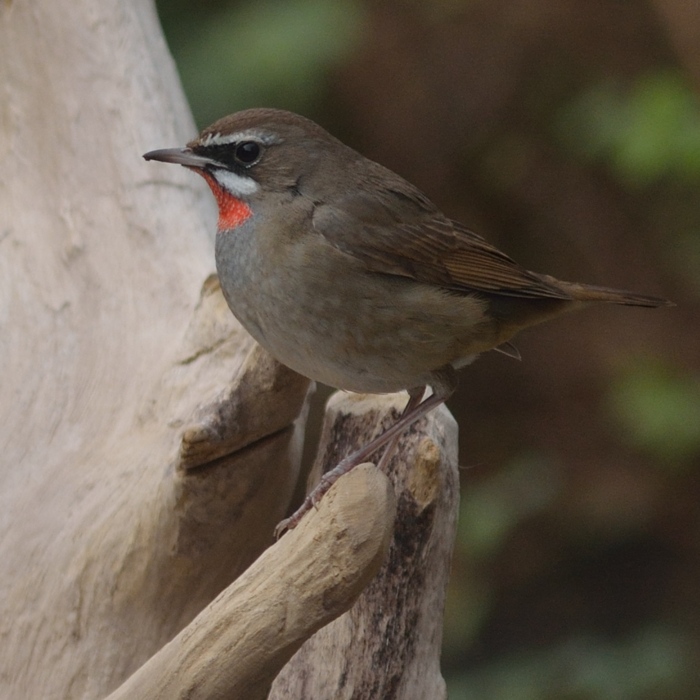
414,410
314,498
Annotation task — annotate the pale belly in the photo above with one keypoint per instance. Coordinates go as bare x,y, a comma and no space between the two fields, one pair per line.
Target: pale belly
344,327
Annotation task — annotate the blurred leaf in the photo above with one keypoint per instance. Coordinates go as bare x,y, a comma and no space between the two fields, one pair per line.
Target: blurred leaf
263,53
491,510
467,605
659,412
655,663
645,131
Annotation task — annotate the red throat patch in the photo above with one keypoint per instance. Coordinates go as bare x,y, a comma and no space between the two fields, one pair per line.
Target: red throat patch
232,212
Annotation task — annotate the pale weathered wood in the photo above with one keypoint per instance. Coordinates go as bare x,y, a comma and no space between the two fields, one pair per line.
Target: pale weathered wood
116,344
237,645
388,645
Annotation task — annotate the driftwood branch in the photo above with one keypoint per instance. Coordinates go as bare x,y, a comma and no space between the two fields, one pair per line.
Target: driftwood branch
239,643
388,644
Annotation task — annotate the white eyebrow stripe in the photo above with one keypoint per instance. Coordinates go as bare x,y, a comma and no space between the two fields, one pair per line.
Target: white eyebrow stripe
237,185
218,139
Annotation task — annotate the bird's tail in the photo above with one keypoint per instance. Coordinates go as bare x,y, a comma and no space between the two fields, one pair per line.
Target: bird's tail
591,293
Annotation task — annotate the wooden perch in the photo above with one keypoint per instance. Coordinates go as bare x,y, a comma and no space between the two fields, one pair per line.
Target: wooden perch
388,645
238,644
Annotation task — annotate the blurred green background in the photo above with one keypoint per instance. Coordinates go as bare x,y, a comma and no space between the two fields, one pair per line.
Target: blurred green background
568,133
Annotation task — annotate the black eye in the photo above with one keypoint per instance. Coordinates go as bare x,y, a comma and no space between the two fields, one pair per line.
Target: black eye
247,152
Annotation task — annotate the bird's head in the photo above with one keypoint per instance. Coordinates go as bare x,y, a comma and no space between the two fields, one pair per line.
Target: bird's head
252,153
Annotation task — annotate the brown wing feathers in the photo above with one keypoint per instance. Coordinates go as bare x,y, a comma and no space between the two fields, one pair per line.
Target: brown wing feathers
425,246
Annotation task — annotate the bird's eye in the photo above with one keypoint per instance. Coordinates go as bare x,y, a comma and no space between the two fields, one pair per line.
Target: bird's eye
247,152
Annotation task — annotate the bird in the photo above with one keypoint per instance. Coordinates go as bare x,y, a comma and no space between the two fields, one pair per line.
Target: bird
348,274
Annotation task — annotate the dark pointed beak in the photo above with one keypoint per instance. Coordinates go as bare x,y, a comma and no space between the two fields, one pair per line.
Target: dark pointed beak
181,156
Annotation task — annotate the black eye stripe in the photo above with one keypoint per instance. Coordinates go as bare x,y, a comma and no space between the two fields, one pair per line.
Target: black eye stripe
243,154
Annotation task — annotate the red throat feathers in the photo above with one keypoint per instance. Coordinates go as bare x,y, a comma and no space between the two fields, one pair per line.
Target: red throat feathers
232,212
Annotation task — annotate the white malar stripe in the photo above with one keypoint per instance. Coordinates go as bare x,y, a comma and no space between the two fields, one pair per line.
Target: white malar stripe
219,139
236,185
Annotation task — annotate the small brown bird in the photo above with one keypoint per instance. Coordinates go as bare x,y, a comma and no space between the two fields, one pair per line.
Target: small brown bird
351,276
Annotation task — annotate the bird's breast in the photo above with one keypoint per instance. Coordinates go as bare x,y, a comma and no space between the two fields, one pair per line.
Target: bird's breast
323,314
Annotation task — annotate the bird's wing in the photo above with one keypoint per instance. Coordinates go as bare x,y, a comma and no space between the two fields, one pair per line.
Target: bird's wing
400,232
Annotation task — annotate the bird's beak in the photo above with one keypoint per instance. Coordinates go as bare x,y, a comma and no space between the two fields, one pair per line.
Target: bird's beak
181,156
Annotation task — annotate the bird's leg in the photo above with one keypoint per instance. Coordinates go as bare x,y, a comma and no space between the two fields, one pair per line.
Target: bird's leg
415,409
414,399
